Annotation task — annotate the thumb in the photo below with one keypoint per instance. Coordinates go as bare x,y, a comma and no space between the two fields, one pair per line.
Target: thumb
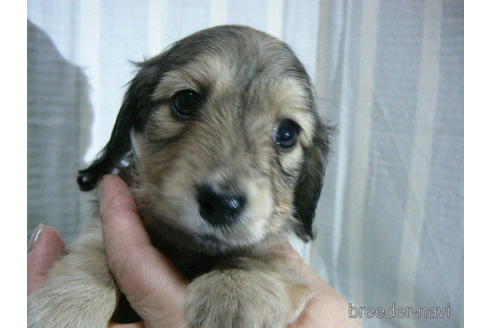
326,305
46,246
149,280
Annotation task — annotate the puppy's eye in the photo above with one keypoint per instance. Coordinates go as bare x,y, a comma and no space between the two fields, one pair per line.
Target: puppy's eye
285,134
185,103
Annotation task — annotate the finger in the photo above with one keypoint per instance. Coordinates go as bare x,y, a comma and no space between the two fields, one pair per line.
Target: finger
45,250
326,305
124,234
323,309
149,280
288,254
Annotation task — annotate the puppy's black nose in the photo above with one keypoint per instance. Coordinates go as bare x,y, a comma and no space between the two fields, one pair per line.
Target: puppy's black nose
219,208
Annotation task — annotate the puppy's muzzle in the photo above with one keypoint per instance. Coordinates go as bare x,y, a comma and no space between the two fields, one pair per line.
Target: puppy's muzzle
219,208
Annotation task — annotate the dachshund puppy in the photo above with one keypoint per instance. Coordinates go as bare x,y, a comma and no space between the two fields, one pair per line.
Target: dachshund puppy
220,142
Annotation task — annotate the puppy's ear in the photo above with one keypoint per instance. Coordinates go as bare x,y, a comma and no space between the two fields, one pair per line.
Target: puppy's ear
116,156
114,152
310,181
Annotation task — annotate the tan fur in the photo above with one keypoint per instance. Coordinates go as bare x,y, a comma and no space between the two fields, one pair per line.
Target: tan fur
255,293
80,292
252,82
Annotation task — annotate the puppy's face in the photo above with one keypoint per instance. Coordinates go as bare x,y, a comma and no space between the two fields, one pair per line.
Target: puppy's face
223,134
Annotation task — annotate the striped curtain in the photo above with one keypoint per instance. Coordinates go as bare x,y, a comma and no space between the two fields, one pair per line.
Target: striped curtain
388,74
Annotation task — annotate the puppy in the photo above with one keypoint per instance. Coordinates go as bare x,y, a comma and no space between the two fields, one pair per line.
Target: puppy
220,142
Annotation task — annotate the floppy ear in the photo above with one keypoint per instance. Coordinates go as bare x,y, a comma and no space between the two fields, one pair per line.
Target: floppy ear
116,156
310,181
114,151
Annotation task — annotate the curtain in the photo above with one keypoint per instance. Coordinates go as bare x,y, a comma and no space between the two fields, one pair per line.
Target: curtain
388,74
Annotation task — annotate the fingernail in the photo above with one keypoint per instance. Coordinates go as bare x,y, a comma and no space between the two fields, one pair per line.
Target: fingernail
34,236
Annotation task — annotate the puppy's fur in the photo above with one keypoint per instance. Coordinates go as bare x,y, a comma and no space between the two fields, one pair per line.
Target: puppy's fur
248,82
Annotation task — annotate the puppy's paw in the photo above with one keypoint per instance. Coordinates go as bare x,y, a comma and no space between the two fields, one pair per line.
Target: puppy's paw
79,293
55,308
237,298
45,311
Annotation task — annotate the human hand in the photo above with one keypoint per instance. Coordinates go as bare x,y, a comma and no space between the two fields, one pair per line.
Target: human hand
326,308
45,247
151,283
153,286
